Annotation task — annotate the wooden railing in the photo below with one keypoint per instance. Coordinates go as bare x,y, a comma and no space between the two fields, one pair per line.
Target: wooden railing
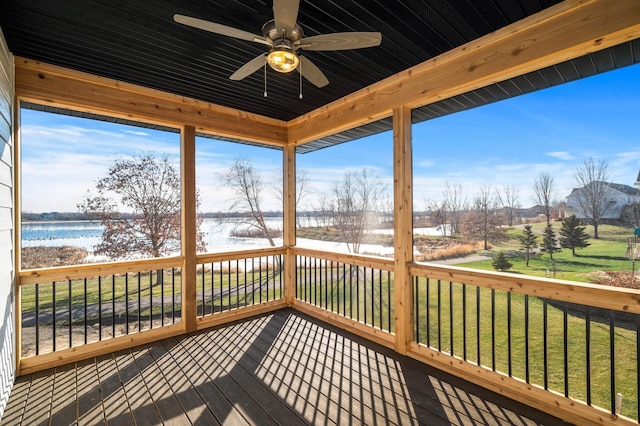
553,343
229,283
353,291
70,313
568,348
67,307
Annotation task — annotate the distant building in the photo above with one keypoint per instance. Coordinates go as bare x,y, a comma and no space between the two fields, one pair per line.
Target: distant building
617,196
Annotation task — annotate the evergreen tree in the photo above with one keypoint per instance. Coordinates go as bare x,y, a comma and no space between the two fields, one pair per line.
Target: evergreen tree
528,242
500,262
549,241
572,235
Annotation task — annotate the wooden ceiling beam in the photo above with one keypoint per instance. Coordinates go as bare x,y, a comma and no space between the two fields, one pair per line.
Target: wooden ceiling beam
568,30
64,88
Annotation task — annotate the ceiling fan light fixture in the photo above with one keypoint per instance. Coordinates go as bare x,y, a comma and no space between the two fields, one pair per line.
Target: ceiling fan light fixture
283,60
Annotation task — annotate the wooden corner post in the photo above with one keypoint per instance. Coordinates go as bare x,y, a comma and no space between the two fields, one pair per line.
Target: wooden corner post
289,232
17,212
403,226
188,226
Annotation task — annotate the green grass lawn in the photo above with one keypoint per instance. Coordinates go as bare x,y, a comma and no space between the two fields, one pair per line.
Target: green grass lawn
117,289
604,254
360,293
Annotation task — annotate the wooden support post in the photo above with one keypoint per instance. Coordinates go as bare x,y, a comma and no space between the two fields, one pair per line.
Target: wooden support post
289,232
188,226
403,226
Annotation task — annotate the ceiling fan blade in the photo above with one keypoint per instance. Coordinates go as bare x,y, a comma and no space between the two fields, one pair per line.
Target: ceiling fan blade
249,68
311,72
285,13
219,29
341,41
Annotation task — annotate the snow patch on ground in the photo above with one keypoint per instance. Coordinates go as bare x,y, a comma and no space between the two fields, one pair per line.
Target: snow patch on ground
433,232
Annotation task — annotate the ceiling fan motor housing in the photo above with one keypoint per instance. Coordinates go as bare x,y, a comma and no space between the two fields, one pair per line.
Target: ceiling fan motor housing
293,35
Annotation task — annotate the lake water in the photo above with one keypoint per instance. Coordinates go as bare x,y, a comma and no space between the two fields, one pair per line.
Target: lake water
87,234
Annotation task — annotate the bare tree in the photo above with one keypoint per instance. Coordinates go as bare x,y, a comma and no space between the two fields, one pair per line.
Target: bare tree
545,194
455,198
302,189
248,187
509,199
386,214
325,207
149,189
440,213
593,196
483,221
355,203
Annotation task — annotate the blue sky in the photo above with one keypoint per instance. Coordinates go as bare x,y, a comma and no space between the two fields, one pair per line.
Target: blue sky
506,143
513,141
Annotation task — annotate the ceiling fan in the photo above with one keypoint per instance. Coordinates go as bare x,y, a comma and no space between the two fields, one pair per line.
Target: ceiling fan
285,39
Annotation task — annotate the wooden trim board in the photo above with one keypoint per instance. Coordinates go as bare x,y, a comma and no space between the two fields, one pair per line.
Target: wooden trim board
60,87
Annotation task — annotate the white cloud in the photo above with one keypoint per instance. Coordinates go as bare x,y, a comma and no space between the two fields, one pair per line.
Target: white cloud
136,133
61,162
561,155
425,163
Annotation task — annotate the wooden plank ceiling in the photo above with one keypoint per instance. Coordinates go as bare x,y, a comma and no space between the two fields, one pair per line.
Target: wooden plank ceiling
138,42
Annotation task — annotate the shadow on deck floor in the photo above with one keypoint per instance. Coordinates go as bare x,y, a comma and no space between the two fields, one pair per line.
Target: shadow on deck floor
280,368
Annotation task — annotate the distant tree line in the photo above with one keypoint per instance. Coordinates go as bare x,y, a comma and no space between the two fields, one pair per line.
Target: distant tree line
75,216
61,216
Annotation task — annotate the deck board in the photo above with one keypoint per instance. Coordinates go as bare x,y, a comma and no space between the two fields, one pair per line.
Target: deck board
279,368
166,403
14,412
236,348
63,405
38,405
90,409
144,413
114,402
211,387
178,372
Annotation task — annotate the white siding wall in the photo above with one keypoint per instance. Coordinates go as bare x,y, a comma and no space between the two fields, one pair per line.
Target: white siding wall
7,275
617,201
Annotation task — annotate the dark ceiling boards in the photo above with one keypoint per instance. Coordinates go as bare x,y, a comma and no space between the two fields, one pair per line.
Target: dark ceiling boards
137,41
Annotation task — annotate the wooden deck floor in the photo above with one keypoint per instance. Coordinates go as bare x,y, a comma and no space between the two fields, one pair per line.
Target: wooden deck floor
281,368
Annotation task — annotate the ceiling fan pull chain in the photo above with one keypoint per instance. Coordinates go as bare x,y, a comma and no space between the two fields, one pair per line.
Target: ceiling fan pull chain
300,73
265,76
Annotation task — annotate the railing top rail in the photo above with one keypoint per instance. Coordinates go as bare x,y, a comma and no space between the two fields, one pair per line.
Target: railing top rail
239,254
63,273
353,259
595,295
